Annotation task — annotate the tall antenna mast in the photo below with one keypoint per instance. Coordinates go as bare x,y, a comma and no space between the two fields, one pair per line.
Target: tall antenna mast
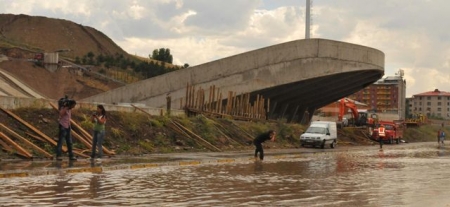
308,19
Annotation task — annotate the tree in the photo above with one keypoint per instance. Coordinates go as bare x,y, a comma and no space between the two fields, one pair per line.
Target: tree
100,59
163,54
84,60
90,57
186,65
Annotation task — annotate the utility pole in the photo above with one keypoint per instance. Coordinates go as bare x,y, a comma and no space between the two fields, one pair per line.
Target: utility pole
308,19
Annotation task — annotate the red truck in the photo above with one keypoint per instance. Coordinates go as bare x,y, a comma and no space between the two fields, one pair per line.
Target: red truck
388,131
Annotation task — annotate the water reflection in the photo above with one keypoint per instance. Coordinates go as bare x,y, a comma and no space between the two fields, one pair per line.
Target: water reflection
392,177
61,164
94,187
258,167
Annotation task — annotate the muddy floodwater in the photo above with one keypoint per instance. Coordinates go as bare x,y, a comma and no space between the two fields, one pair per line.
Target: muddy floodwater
400,175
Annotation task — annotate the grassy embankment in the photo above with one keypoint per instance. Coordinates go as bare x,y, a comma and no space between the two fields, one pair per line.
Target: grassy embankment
136,133
425,133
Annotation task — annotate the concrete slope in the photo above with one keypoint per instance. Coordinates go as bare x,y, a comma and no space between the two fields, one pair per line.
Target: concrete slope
10,86
298,77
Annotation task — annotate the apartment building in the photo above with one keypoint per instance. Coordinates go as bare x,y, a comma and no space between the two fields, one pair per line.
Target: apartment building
387,95
432,104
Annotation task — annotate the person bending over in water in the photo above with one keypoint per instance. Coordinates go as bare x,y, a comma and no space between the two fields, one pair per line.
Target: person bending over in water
270,135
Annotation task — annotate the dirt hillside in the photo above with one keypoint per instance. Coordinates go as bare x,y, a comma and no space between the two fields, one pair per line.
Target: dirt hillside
44,34
55,85
22,36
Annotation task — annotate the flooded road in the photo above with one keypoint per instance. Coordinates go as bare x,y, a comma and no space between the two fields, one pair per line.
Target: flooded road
401,175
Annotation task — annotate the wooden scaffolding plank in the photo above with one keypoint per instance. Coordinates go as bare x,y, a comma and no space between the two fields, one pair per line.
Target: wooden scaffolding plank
142,110
180,131
15,145
9,149
35,137
220,128
82,140
79,152
48,139
11,132
6,146
196,136
83,133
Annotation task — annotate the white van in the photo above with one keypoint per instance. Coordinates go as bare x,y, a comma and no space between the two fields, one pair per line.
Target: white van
320,133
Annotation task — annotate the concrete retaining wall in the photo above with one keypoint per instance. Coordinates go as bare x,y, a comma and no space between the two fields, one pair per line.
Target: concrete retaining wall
9,103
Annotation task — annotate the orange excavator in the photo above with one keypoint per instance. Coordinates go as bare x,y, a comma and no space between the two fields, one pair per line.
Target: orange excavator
359,118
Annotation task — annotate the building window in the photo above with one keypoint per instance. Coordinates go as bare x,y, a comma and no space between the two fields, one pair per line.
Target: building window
420,98
428,103
439,109
420,103
428,98
428,109
439,103
420,109
439,98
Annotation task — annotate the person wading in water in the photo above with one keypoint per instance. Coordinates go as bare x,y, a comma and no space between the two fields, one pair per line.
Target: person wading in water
270,135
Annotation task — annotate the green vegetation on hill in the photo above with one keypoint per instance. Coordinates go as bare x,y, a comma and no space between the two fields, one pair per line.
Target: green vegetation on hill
122,68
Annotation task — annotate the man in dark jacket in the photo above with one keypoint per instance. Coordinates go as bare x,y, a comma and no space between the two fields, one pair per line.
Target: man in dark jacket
270,135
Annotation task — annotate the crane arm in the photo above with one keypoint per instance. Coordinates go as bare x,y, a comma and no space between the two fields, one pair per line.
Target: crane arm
343,106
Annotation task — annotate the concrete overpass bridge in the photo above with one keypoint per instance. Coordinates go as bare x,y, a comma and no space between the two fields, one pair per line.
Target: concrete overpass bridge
298,77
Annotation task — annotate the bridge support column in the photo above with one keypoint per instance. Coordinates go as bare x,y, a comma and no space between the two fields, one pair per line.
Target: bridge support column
272,110
294,114
286,106
301,114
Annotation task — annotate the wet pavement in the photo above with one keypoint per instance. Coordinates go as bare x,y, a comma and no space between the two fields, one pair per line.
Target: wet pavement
400,175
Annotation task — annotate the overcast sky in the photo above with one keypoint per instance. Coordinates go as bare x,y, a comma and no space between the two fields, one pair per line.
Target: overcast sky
413,34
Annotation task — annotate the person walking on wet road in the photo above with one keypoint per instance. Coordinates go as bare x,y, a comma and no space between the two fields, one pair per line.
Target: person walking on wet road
99,120
65,114
439,137
381,133
442,137
270,135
